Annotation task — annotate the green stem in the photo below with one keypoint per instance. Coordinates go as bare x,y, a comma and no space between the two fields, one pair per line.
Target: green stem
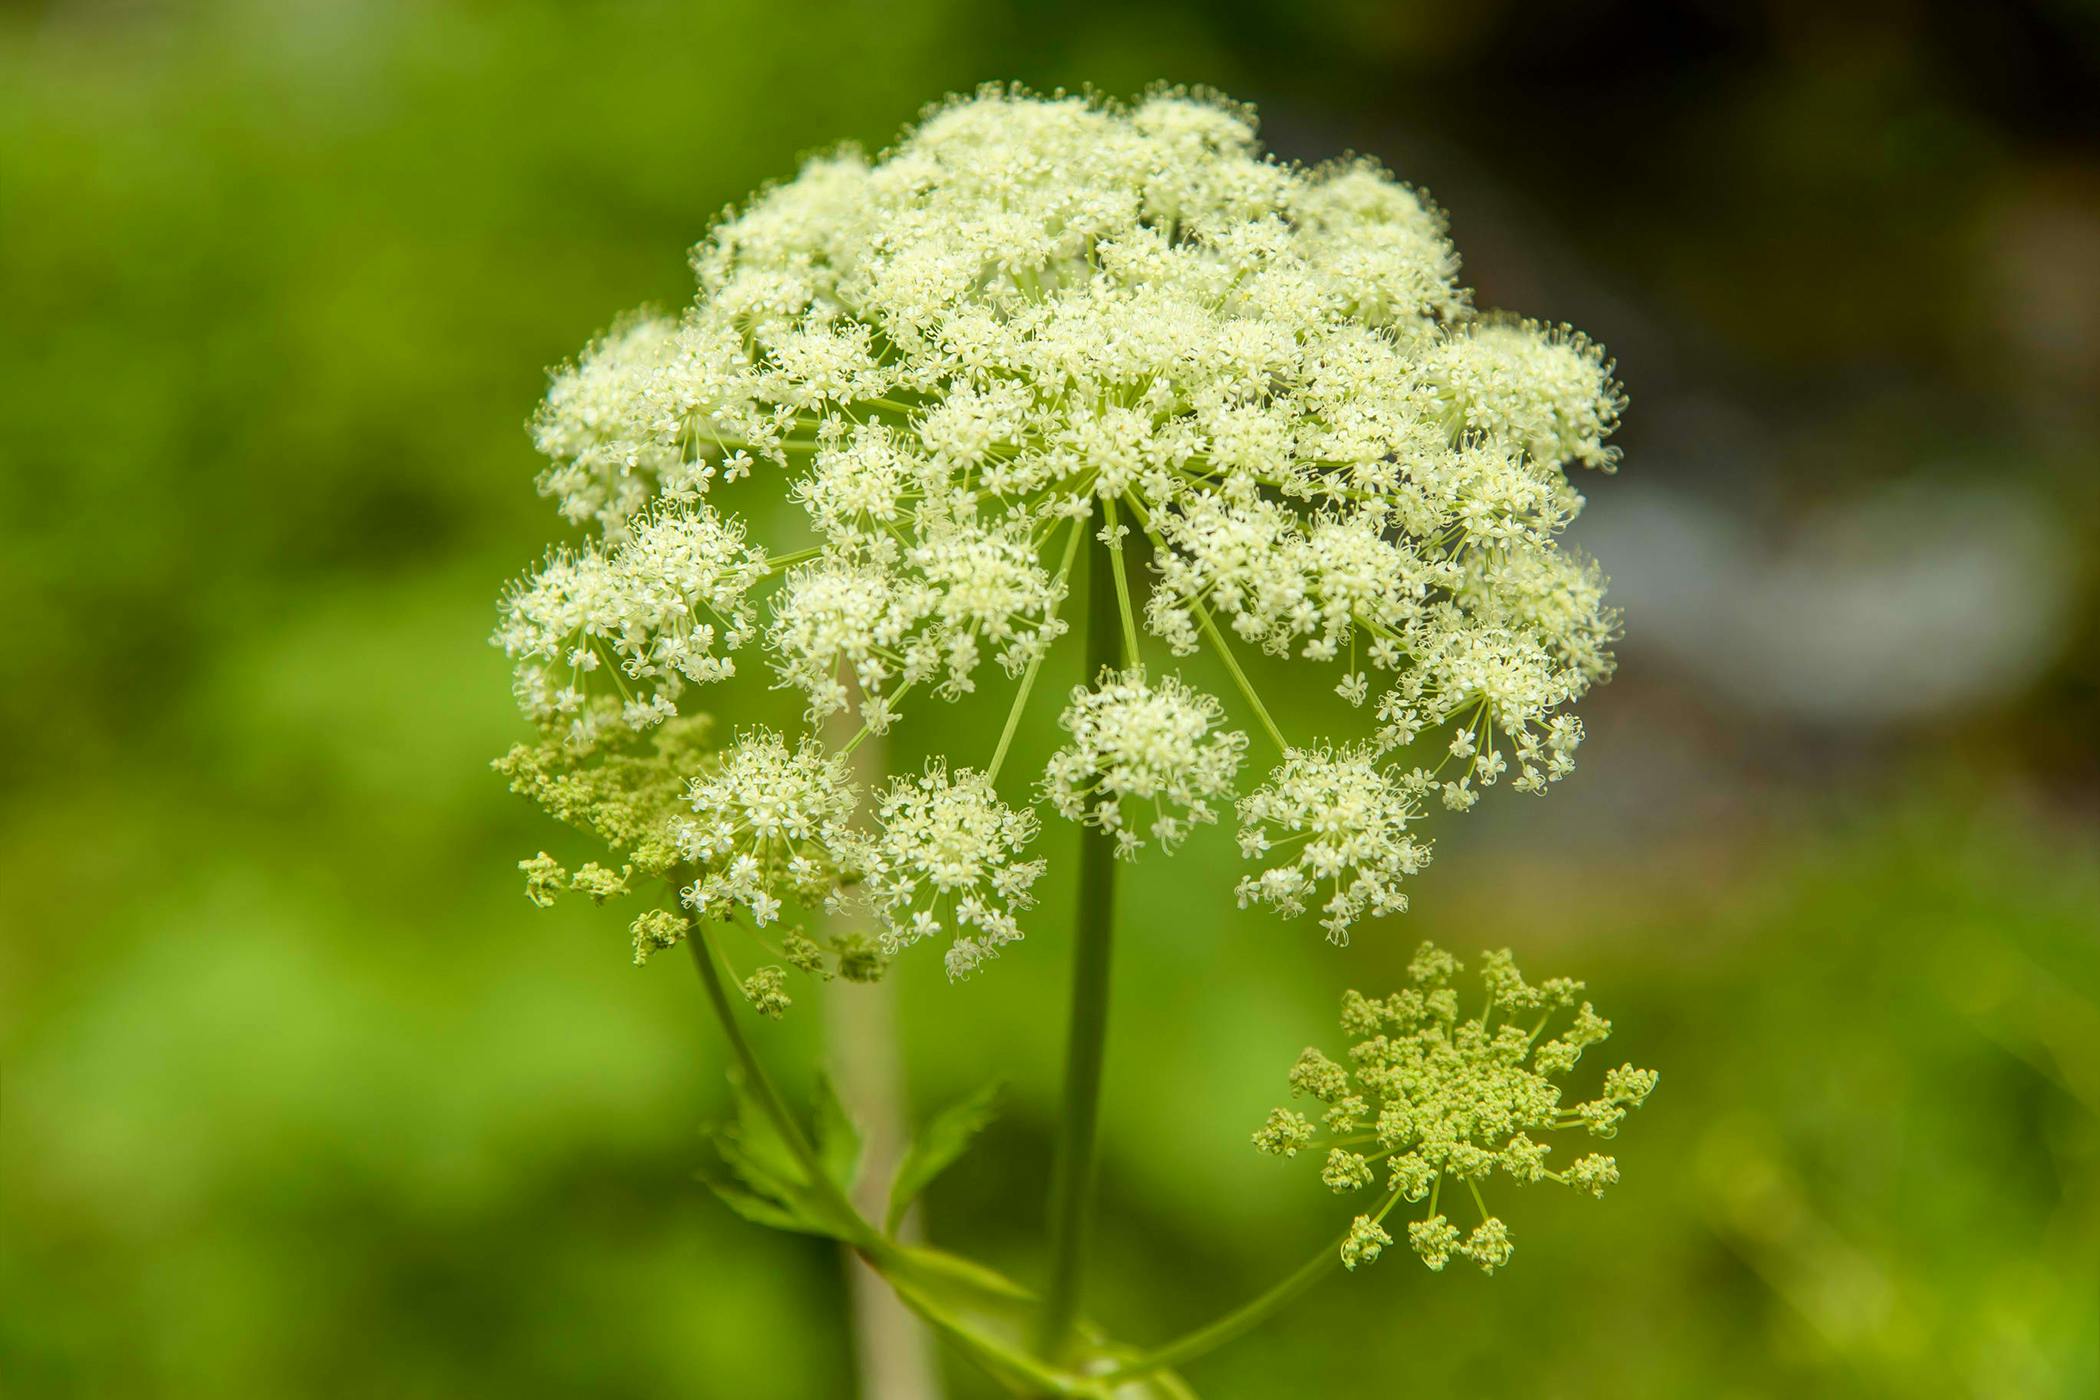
1035,663
862,1236
1128,617
1000,1361
1214,1335
1206,1339
780,563
865,730
1217,639
1072,1181
989,1352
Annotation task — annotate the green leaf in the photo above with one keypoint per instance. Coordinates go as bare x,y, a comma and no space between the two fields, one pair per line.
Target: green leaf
937,1146
757,1209
955,1279
764,1180
758,1142
754,1172
838,1139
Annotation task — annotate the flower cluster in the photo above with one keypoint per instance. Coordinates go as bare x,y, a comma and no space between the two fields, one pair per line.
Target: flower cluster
613,634
946,861
1158,750
627,791
1430,1102
1033,323
1335,821
767,821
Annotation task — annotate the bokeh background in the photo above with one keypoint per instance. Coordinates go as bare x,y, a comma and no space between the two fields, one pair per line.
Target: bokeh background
301,1097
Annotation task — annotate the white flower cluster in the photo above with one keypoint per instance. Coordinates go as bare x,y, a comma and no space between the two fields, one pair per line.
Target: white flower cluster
766,821
1338,821
1040,320
1160,750
946,860
889,629
614,633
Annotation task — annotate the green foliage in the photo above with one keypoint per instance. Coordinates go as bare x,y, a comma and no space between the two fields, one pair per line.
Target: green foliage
765,1181
944,1139
838,1140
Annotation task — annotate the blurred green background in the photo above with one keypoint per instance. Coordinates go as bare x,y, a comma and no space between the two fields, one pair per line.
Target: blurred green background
301,1097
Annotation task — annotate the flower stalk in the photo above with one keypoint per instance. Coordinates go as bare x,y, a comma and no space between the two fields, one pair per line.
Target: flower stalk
857,1232
1072,1180
1209,1337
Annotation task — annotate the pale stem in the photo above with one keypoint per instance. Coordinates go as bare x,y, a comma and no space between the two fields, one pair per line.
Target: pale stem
894,1354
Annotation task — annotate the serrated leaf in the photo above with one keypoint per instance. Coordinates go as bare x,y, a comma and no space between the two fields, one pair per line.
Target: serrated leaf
838,1138
944,1138
757,1141
754,1173
764,1180
758,1209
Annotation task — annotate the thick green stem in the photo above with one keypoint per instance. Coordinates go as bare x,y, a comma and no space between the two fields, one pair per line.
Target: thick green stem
1072,1183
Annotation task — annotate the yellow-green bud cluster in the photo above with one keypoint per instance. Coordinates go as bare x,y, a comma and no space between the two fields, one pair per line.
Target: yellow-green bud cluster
1436,1103
766,990
1365,1241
